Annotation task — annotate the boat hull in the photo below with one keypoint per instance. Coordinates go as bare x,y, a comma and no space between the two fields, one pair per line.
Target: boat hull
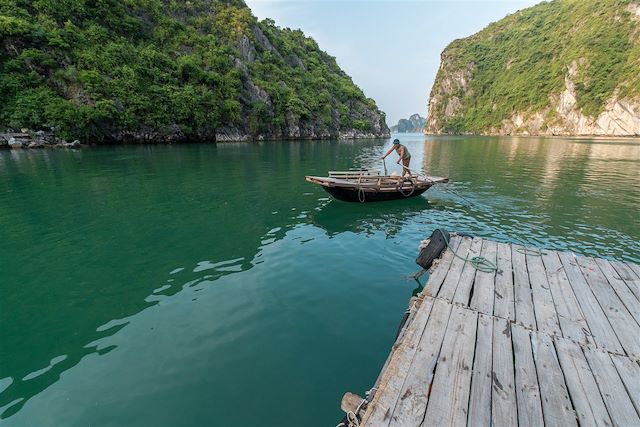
355,195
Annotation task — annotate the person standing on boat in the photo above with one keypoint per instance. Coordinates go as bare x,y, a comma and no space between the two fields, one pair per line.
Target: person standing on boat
404,154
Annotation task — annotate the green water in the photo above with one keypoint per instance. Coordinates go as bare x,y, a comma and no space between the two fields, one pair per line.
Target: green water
210,285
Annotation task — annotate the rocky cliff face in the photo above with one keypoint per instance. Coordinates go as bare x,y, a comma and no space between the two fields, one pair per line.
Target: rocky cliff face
414,124
167,71
559,68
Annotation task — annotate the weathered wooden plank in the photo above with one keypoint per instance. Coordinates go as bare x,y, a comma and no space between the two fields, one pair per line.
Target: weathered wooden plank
526,379
480,398
582,386
448,289
504,302
543,306
624,293
522,289
439,273
503,396
629,276
463,290
629,371
414,395
626,328
556,405
634,267
449,399
612,389
599,326
570,316
484,287
394,374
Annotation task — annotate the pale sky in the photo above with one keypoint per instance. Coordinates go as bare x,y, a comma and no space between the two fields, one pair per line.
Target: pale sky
391,48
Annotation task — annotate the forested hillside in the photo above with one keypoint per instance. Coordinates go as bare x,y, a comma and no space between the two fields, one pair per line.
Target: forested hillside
170,70
564,67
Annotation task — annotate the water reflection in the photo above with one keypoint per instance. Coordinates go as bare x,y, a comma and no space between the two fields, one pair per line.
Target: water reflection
337,217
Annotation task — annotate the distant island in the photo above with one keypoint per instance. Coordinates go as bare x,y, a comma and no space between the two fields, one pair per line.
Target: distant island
563,67
414,124
169,71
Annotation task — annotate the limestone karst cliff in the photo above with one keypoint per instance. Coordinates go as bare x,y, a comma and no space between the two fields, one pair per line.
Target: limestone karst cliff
164,70
564,67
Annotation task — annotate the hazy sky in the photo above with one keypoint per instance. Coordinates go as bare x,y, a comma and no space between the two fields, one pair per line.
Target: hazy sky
391,48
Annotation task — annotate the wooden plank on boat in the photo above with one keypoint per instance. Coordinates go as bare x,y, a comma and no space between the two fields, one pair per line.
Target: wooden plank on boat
629,371
526,379
626,328
622,290
504,304
503,396
480,398
599,326
522,289
396,371
585,395
483,290
556,405
463,290
440,270
570,316
449,399
612,389
543,306
448,288
414,395
629,276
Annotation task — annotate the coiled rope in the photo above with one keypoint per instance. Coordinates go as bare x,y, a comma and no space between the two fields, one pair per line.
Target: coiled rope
480,263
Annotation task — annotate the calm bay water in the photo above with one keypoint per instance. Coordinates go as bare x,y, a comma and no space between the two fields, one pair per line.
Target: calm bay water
210,285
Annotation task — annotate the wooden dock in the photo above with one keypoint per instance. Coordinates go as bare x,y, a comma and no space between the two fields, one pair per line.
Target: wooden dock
550,338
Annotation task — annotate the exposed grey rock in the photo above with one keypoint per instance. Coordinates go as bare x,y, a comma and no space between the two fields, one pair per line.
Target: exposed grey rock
4,142
36,144
15,142
247,51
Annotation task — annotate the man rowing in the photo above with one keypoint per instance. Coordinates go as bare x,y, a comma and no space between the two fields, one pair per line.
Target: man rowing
404,154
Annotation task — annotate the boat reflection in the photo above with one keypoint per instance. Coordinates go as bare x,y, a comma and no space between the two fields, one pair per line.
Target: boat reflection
336,217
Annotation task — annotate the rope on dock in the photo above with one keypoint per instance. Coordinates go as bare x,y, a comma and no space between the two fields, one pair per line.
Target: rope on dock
480,263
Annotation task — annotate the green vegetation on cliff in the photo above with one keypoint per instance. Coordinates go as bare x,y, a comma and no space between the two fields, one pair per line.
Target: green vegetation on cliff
517,64
172,69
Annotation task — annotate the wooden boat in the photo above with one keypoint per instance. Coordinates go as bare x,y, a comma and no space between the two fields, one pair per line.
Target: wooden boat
370,186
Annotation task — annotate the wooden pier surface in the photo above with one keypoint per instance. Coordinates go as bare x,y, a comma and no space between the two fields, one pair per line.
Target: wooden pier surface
549,339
